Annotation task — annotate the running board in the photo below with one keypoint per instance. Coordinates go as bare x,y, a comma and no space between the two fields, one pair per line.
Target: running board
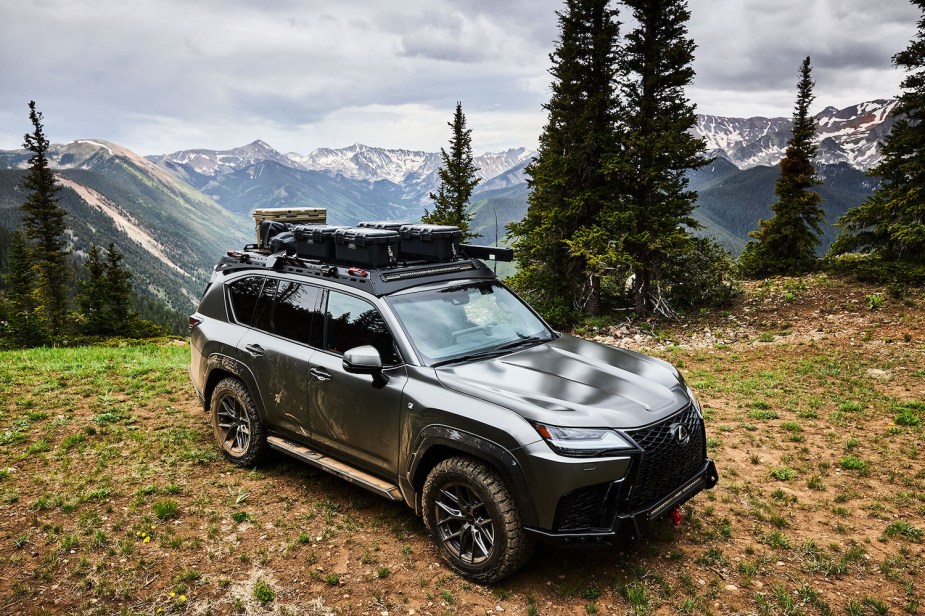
336,467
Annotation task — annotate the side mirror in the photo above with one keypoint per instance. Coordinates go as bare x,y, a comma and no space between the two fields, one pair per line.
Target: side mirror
363,360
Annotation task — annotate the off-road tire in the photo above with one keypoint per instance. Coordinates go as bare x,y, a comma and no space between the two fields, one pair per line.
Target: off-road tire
483,539
240,434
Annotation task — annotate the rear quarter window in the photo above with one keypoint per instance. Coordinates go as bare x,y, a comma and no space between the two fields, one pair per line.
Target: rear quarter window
243,295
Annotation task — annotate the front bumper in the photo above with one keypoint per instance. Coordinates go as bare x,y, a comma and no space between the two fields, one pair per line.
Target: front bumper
627,527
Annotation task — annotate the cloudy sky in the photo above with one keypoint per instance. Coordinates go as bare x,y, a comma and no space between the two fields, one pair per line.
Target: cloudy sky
164,75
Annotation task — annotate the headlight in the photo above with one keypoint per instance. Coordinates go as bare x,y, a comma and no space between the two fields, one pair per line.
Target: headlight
695,402
583,442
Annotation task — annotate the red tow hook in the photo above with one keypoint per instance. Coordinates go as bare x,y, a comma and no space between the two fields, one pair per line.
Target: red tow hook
676,515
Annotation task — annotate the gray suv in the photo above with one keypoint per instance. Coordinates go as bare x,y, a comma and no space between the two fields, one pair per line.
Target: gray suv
434,384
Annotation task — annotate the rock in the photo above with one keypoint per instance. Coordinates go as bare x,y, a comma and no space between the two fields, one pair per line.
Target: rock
877,373
732,588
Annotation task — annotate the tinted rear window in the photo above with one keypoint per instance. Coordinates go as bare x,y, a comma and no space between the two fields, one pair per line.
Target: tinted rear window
243,295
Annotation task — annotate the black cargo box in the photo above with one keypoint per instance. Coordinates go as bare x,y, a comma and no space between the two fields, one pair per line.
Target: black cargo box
429,242
366,247
315,241
383,224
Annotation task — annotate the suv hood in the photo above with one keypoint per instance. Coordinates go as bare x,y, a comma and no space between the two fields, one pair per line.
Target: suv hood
574,382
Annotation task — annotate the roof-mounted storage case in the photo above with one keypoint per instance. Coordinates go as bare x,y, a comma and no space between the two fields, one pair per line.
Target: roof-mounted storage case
366,247
315,241
430,242
383,224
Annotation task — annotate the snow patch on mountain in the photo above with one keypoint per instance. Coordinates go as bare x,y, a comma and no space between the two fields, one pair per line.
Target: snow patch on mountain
851,135
212,163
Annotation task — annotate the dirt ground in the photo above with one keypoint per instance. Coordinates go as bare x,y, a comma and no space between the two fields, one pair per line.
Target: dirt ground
113,499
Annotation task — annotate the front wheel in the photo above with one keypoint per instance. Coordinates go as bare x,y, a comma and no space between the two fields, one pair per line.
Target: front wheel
474,520
236,424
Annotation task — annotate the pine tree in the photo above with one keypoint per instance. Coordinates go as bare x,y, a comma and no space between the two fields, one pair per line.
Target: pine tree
641,234
786,244
120,315
457,179
106,294
91,300
891,223
23,327
43,222
569,180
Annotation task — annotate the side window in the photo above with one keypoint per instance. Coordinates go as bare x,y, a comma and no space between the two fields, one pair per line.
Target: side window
296,316
263,314
290,310
353,322
243,295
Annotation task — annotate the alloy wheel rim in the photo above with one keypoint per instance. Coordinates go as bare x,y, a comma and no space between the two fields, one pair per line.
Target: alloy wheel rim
464,523
234,426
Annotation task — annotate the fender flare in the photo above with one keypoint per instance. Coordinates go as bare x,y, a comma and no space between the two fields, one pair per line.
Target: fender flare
499,457
225,364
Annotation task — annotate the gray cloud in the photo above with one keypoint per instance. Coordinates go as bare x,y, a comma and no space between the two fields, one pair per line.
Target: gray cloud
300,74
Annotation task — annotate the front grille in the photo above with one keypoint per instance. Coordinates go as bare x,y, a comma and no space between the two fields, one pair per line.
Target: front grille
666,463
581,509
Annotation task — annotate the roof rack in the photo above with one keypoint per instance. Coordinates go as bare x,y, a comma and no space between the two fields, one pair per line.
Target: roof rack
376,280
381,257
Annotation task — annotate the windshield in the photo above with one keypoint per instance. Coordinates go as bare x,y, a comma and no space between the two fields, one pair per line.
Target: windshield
467,321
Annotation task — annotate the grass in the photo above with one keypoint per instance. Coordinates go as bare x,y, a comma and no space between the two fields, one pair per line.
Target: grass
820,488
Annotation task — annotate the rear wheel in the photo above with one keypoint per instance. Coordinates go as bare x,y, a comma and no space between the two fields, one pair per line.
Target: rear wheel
474,520
236,424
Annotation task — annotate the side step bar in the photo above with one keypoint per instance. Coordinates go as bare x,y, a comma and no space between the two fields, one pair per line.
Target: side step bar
336,467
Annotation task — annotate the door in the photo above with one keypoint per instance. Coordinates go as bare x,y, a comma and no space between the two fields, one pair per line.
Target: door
356,414
278,349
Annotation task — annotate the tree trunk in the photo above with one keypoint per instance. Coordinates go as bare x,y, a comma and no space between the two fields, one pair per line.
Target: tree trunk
641,292
593,303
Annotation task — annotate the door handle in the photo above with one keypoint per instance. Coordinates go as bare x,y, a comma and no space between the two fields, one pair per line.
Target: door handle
321,374
254,350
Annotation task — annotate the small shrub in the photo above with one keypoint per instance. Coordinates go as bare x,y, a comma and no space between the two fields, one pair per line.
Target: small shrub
907,416
69,442
263,592
815,483
240,516
904,529
776,539
874,301
165,509
334,579
783,473
853,463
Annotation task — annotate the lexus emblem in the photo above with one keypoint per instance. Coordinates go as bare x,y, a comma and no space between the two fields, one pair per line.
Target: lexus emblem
680,434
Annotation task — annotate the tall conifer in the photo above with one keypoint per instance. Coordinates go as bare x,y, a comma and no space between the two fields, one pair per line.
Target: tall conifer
91,300
118,293
23,328
654,213
569,180
891,223
786,243
457,179
43,222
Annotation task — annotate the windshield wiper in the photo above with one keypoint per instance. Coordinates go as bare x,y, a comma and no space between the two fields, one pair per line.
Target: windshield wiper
513,344
468,357
498,350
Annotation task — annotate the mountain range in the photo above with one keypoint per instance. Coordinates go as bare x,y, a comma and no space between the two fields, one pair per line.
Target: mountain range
173,214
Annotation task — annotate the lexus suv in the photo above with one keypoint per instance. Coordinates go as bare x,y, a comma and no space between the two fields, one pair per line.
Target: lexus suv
434,384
